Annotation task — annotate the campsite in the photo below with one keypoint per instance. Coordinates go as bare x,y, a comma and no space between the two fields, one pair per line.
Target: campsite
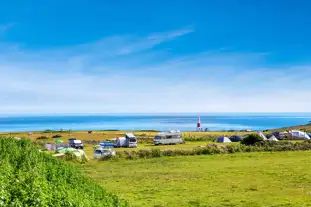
207,169
185,174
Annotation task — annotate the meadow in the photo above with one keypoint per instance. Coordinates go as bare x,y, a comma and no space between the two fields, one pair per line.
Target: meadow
243,179
239,179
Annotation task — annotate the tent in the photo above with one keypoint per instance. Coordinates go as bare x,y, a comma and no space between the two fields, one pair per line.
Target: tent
78,152
65,149
223,139
58,141
262,135
273,138
296,134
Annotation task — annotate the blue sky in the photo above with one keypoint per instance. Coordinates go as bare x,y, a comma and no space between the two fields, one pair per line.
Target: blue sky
154,56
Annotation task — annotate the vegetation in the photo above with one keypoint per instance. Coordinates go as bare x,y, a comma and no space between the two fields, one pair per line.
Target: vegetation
243,179
29,177
210,149
57,136
149,130
43,137
252,139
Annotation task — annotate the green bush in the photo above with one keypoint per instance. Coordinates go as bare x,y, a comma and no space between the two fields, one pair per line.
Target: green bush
57,136
252,139
29,177
43,137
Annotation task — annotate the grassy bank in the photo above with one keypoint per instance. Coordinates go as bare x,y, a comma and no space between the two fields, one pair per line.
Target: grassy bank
243,179
29,177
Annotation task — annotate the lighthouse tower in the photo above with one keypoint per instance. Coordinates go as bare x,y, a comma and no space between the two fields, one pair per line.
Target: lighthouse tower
199,124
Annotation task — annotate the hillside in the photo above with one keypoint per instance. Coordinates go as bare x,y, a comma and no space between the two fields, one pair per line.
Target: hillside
29,177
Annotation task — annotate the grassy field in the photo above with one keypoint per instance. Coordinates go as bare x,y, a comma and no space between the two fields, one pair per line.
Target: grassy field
242,179
187,146
103,135
245,179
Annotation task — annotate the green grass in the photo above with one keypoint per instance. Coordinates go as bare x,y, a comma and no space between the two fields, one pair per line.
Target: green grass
244,179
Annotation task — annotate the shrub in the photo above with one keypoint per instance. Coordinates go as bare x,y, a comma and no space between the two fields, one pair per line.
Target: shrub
48,131
43,137
32,178
57,136
144,153
156,152
252,139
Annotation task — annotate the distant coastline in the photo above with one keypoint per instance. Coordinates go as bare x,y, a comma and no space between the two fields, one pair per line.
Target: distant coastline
160,122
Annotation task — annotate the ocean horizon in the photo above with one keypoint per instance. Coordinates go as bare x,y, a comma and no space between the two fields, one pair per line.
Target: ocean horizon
150,121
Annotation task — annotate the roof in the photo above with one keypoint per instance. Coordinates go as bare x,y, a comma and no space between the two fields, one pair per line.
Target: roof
130,135
169,132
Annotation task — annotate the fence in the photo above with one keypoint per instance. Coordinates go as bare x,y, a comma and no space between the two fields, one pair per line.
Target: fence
55,146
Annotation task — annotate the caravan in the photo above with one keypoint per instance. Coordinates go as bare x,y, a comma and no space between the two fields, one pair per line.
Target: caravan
128,141
171,137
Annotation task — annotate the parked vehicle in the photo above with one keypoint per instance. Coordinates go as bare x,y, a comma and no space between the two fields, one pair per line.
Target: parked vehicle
104,152
235,138
106,144
128,141
279,135
75,143
171,137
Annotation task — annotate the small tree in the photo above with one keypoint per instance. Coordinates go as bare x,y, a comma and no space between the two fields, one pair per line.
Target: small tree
252,139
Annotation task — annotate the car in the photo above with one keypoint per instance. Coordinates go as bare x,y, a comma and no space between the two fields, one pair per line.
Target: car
75,143
235,138
279,135
103,152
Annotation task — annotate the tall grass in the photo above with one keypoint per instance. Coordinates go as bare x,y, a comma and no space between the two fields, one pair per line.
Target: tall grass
29,177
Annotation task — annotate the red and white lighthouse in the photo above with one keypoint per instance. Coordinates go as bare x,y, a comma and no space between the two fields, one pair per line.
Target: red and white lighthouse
198,124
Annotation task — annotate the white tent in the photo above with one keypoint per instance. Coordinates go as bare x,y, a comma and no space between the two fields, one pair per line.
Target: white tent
262,135
296,134
223,139
273,138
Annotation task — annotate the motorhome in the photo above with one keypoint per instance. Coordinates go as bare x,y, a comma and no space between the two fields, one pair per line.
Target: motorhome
170,137
128,141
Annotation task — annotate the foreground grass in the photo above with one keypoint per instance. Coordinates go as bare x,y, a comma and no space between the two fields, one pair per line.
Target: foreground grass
245,179
32,178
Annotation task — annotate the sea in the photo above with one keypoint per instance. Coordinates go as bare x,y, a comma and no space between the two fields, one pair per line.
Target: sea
161,122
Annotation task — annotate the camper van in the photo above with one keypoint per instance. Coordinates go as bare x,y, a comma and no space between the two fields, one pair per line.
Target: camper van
171,137
128,141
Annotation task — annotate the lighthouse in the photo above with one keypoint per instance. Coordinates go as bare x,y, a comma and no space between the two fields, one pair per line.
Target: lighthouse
198,124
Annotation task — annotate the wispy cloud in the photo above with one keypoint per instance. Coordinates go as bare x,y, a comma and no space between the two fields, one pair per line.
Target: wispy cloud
124,74
6,27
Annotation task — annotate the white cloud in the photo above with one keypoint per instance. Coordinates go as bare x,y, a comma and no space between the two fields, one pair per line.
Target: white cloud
112,75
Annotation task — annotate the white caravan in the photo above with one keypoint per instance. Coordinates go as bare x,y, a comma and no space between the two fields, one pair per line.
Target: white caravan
171,137
128,141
